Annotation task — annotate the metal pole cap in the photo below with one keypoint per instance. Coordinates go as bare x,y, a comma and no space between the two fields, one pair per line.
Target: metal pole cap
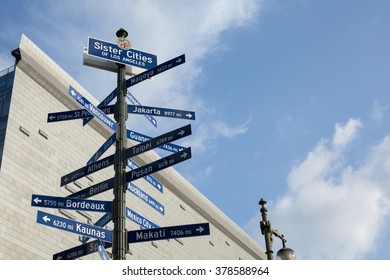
121,33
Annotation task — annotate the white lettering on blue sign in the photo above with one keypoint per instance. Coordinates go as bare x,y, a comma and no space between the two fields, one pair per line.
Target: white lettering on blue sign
138,219
146,198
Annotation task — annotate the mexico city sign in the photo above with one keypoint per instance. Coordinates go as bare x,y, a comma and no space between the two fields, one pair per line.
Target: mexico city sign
112,52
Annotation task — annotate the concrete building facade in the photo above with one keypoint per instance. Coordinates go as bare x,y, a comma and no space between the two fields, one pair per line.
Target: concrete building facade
35,154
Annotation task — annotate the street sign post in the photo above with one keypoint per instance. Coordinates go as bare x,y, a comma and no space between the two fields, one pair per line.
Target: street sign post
147,111
112,52
138,137
192,230
73,226
70,203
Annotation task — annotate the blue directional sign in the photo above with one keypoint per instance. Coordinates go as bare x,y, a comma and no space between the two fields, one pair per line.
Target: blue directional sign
89,169
77,114
112,52
149,178
132,109
130,152
138,137
73,226
142,77
134,100
80,251
161,112
103,221
94,190
192,230
156,70
111,140
70,203
145,197
102,251
158,141
139,219
95,111
158,165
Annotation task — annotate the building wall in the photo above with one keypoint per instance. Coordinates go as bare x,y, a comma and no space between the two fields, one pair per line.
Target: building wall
36,155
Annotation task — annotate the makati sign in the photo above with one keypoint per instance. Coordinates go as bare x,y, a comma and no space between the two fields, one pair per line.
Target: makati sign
168,232
112,52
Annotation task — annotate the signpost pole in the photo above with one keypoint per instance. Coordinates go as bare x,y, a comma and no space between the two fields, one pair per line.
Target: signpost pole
119,242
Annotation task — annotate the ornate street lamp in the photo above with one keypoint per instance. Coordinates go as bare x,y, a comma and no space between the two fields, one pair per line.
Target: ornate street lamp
267,230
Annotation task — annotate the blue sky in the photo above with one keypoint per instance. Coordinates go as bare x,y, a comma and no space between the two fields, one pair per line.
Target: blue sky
291,98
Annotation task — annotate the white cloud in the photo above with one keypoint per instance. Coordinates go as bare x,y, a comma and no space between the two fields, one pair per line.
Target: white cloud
378,111
331,210
208,133
344,134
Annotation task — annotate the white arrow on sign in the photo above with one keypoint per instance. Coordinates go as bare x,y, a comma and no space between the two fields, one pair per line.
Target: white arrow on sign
200,229
37,200
189,115
46,219
181,133
184,155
